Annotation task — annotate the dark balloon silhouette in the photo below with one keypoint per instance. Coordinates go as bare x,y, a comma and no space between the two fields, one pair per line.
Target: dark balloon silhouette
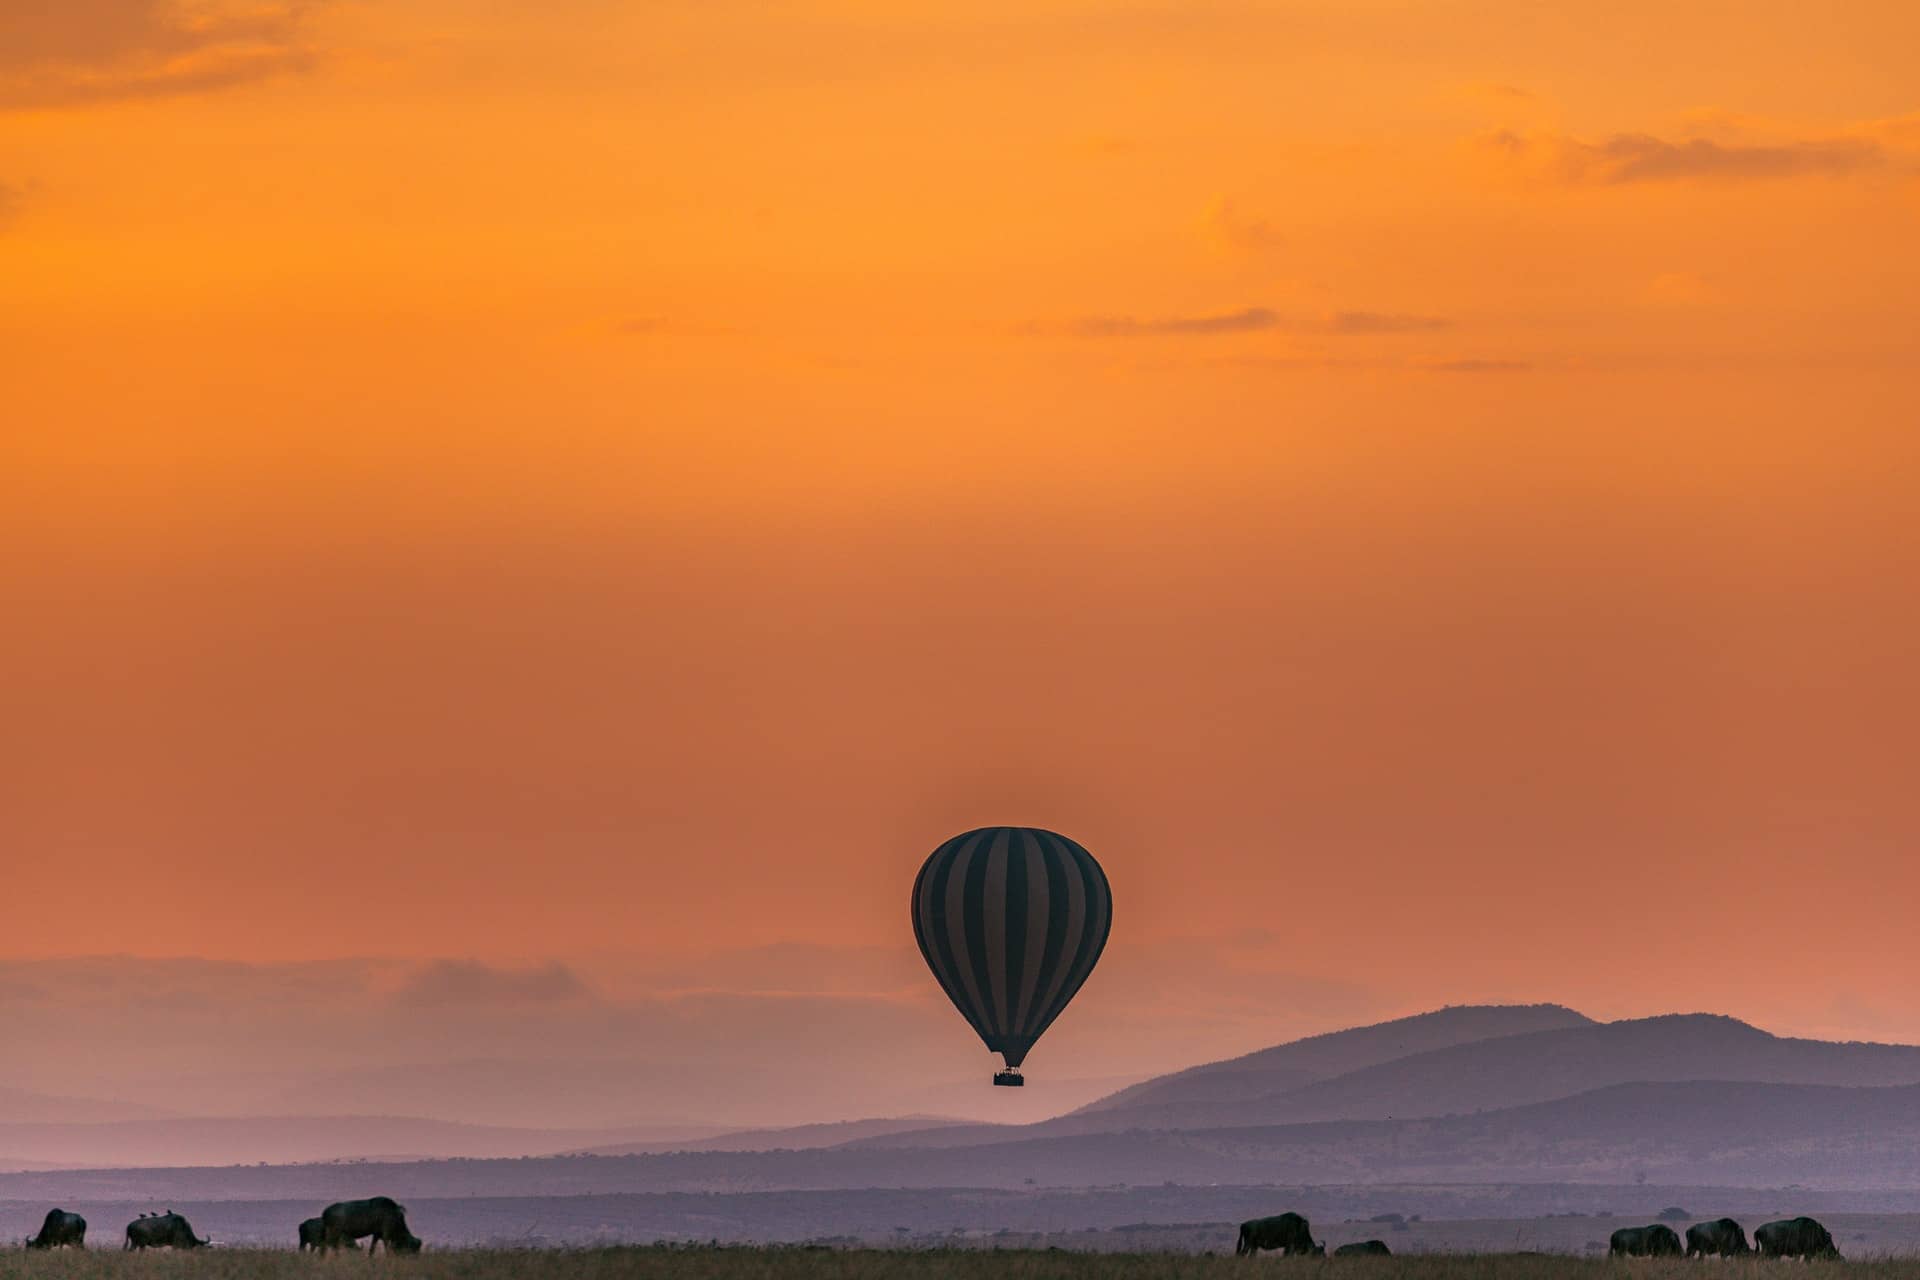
1011,920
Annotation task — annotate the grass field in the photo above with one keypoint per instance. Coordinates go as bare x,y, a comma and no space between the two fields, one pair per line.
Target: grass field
882,1264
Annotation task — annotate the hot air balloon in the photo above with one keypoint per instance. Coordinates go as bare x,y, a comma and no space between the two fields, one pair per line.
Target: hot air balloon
1011,920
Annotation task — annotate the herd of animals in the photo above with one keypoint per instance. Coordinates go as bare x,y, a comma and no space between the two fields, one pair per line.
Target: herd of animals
341,1225
1290,1234
1724,1238
380,1220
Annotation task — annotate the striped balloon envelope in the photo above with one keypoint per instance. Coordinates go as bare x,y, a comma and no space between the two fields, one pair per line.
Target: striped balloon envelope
1011,920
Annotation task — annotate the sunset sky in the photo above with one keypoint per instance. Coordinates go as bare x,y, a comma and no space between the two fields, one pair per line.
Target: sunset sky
1425,492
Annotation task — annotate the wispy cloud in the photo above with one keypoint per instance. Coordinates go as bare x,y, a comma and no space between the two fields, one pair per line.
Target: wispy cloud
657,326
79,52
1256,319
1105,144
1234,228
1372,364
1246,320
1365,322
1644,157
1679,289
1477,366
467,982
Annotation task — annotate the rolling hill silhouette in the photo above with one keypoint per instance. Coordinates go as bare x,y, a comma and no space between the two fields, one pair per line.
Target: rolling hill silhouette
1711,1133
218,1140
1303,1062
1508,1071
24,1106
1675,1132
1495,1070
1468,1095
832,1133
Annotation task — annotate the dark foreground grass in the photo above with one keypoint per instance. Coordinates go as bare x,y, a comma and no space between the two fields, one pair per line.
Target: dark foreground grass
885,1264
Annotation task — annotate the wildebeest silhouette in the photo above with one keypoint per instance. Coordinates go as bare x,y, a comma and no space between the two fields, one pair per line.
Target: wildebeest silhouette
1287,1232
1657,1241
162,1230
1794,1238
59,1230
1723,1237
1364,1249
348,1221
313,1235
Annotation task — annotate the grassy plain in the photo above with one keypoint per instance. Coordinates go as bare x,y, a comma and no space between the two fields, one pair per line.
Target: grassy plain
742,1263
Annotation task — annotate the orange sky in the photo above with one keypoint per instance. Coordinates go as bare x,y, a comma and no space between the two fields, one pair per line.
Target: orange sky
1433,482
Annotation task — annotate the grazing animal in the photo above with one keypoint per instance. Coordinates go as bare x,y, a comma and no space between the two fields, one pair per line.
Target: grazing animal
1364,1249
1657,1241
60,1229
1794,1238
162,1231
348,1221
1287,1232
313,1235
1723,1238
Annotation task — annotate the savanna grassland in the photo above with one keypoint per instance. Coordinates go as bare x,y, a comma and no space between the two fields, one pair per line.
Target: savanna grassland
885,1264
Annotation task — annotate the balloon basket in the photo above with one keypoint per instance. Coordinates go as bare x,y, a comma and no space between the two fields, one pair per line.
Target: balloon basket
1011,1079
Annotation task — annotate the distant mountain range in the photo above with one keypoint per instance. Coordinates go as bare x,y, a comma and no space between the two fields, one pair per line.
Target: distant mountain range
24,1106
1458,1061
1823,1137
1473,1094
202,1140
1285,1067
172,1141
805,1137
